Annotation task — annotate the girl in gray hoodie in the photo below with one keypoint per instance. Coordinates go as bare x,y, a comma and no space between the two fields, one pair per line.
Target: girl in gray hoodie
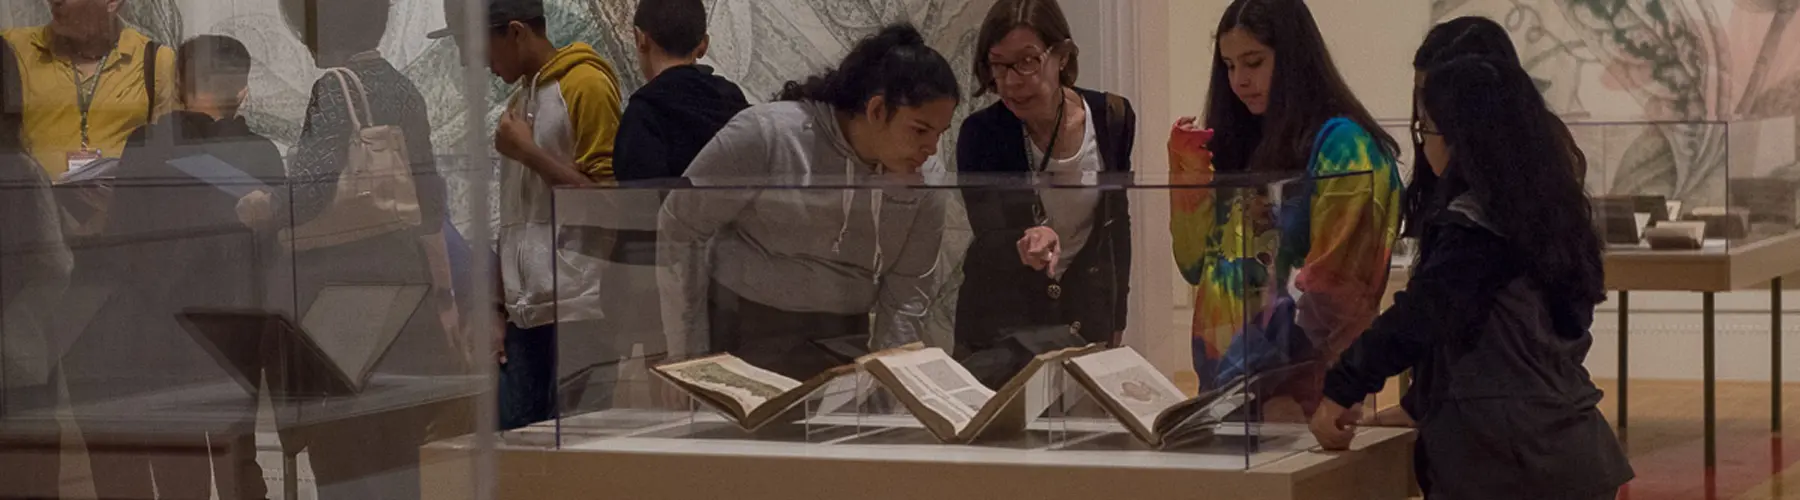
765,273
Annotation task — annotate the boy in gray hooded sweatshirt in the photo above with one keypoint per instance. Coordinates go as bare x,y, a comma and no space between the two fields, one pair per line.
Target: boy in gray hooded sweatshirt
763,273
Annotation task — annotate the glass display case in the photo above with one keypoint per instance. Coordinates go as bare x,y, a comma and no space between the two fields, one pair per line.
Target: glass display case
217,283
899,317
1706,207
181,326
1707,188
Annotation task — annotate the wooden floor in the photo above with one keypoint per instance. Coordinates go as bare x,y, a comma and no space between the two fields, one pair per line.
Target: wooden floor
1664,439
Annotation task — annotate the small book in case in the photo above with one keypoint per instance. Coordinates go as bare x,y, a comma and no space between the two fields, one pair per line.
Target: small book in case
1152,408
949,401
751,397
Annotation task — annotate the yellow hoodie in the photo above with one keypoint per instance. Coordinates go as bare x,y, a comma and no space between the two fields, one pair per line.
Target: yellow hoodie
574,107
591,99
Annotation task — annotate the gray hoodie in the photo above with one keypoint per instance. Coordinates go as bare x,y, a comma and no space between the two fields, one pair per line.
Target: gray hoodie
811,250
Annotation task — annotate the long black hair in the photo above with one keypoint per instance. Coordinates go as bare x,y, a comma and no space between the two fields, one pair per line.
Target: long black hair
346,26
1463,36
894,63
1306,91
1513,164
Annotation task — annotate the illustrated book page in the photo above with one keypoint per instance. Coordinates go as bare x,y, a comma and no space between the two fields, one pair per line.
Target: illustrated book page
1129,387
728,383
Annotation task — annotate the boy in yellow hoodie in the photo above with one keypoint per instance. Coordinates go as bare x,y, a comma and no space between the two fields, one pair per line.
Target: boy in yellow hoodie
558,130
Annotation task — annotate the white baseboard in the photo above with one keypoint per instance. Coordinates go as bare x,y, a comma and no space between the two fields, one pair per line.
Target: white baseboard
1666,336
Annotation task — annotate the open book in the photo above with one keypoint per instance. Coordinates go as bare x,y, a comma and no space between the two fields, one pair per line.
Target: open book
751,397
1151,407
331,352
948,399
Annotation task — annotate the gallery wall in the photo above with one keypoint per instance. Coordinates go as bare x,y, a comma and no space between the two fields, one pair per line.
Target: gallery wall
1372,42
1689,60
1709,74
761,44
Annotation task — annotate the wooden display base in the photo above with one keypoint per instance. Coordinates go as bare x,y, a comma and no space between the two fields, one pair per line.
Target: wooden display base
192,429
899,467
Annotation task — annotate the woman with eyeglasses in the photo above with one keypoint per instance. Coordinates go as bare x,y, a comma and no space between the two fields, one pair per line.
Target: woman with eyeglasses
1278,104
1494,322
1047,263
1466,36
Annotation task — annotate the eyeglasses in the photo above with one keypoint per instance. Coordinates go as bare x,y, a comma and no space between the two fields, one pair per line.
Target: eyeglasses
1419,131
1029,66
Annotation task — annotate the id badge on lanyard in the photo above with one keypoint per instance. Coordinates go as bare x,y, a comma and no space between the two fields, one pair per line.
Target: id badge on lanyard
86,90
82,159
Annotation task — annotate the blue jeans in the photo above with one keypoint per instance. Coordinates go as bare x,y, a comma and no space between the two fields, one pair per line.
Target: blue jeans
528,379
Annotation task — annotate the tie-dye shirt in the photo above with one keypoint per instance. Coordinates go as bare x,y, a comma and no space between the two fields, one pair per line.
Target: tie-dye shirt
1331,235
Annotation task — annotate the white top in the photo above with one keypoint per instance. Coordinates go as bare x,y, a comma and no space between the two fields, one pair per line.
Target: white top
1071,211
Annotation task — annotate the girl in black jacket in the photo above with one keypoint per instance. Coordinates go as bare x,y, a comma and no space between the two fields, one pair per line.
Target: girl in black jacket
1494,322
1041,263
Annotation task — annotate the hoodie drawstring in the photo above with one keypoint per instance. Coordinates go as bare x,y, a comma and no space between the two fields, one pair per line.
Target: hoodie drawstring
837,245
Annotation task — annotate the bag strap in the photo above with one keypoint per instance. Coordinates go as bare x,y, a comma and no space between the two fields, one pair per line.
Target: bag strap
346,78
1115,112
12,96
151,51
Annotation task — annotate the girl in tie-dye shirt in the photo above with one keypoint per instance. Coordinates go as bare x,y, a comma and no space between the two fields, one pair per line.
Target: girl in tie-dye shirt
1311,276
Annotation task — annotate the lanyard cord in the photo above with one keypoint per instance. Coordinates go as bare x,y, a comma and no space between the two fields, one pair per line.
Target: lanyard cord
1038,215
1049,151
85,90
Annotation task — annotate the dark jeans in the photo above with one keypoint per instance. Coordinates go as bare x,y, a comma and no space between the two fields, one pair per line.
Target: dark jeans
557,369
528,379
777,340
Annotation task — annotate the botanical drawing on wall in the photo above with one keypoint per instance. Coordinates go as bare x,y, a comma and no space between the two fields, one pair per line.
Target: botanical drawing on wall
1663,61
761,44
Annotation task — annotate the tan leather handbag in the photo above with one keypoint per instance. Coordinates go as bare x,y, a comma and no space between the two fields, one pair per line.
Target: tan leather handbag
376,194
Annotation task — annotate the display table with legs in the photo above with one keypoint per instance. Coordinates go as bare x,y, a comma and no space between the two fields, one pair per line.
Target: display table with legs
1708,271
892,457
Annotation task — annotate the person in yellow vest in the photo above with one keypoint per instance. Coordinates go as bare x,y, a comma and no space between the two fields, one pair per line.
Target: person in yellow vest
87,81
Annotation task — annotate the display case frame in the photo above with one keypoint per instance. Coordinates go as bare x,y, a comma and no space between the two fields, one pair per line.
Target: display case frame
1057,432
107,389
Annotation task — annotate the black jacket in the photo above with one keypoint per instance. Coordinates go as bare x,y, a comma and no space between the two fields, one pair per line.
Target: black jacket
1504,405
171,242
999,294
671,119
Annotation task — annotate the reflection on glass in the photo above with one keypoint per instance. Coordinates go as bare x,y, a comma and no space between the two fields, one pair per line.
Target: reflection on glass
185,239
